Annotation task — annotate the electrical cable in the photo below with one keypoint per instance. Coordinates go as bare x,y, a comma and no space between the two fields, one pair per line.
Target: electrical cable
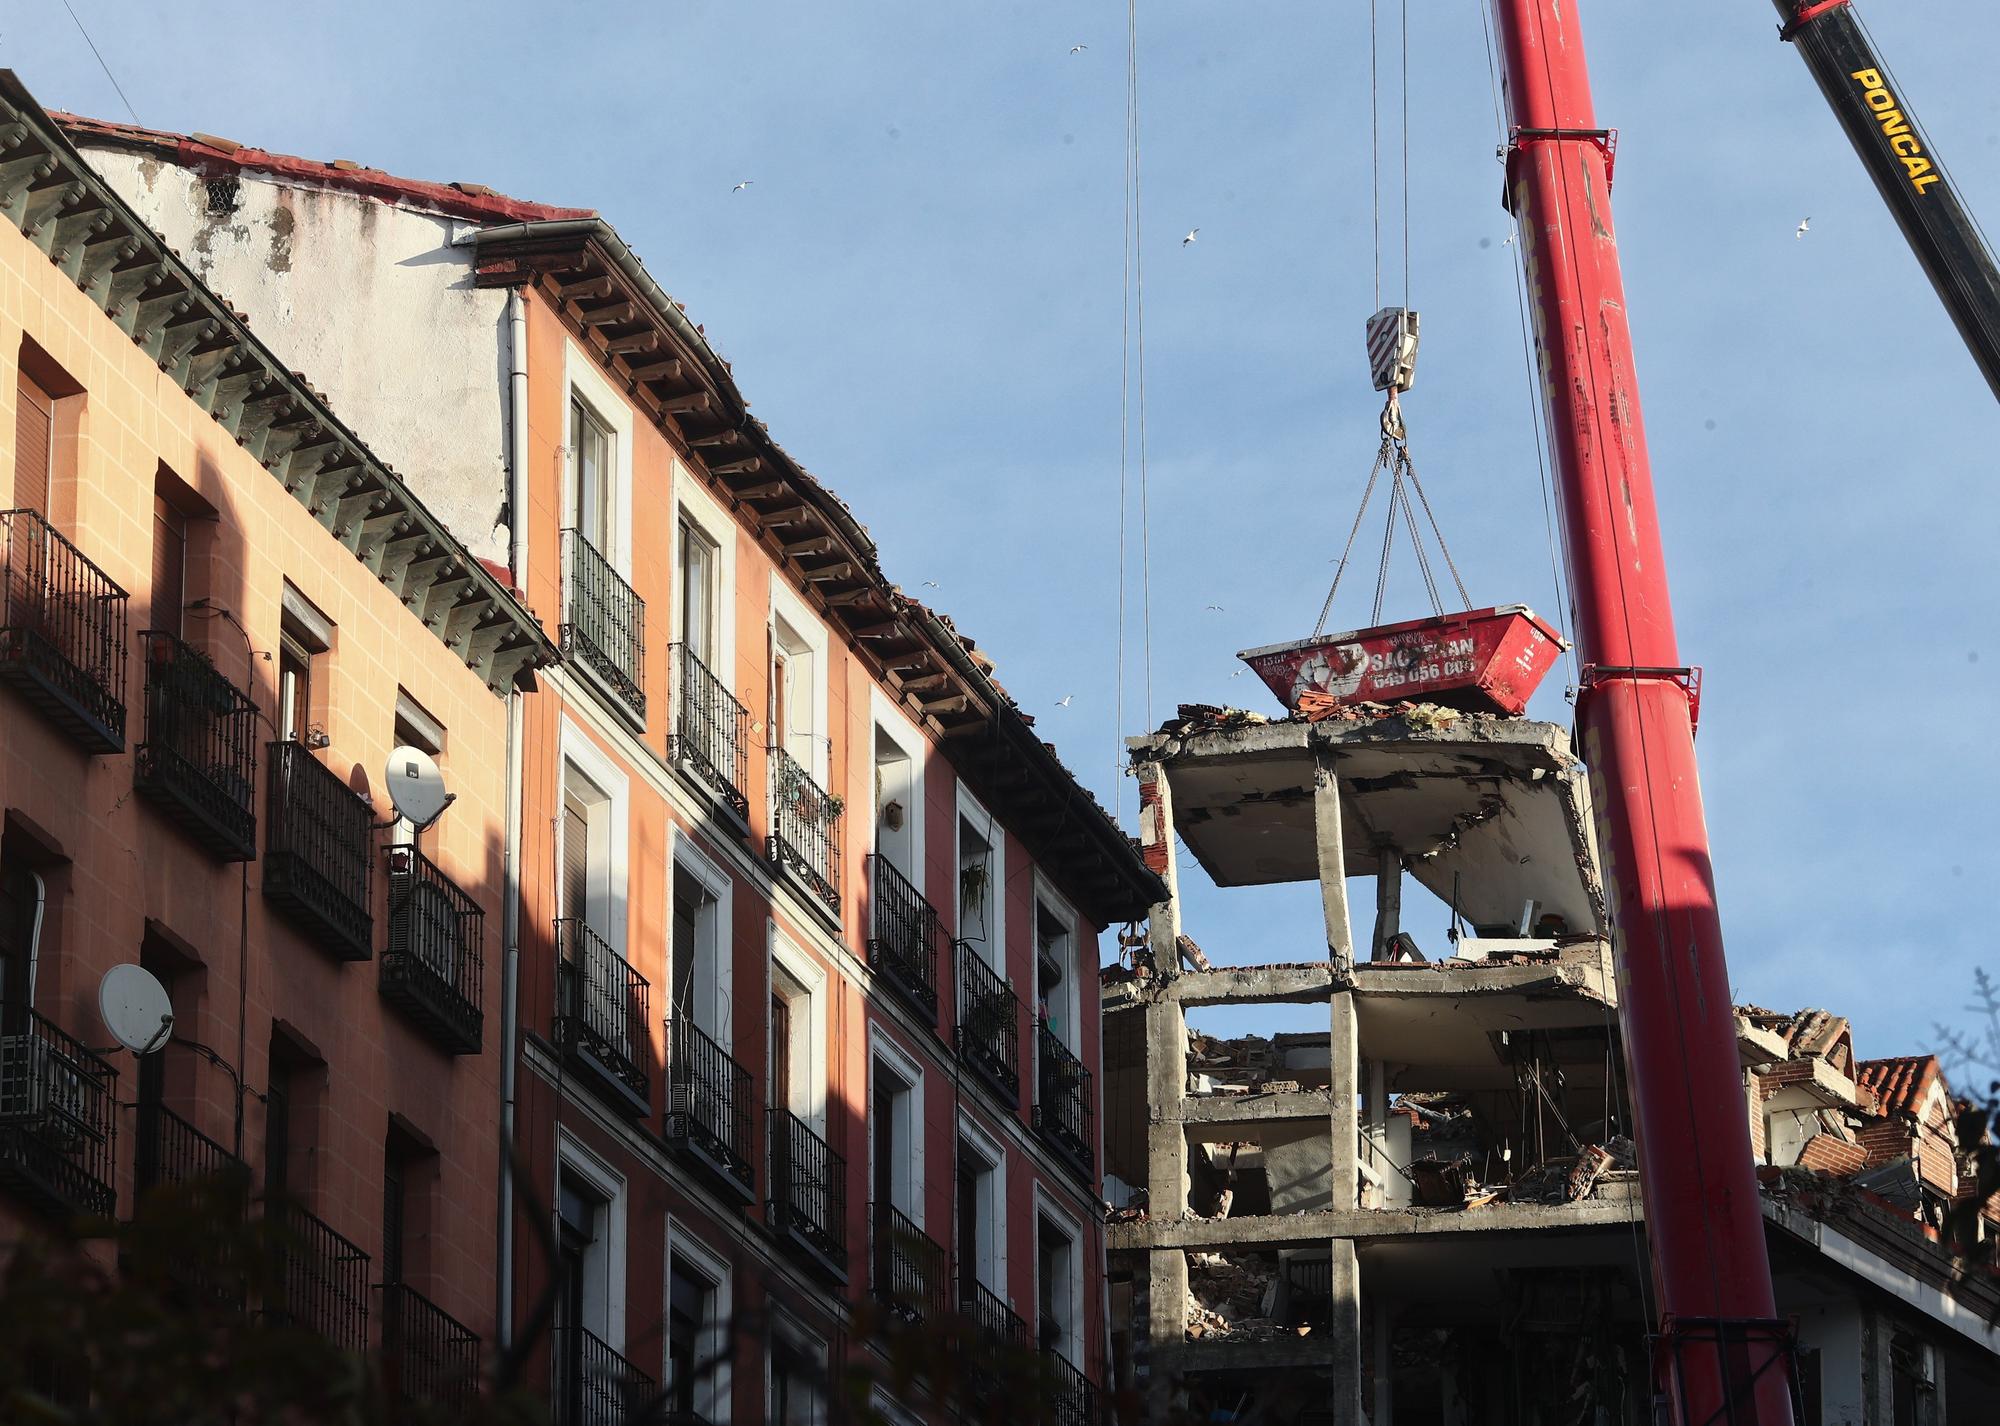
1139,341
102,65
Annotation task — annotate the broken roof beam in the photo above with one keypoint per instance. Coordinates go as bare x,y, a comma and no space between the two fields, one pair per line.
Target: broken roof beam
1312,1229
1254,985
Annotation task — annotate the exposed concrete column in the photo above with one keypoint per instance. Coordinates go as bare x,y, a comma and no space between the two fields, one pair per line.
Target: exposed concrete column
1388,898
1166,1189
1156,847
1332,854
1344,1126
1344,1086
1344,1332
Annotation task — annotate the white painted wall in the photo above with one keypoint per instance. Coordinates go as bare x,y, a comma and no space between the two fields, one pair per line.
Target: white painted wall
374,305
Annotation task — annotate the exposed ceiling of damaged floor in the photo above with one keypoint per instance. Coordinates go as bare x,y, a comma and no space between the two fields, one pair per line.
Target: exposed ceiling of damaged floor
1492,813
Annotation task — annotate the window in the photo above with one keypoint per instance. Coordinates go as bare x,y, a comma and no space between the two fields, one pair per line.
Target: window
586,836
1055,967
590,1234
170,538
292,1110
794,711
1058,1290
303,635
591,477
980,878
34,446
895,1131
798,1376
798,1033
895,804
694,944
414,728
23,896
1913,1367
700,584
690,1298
699,1345
981,1214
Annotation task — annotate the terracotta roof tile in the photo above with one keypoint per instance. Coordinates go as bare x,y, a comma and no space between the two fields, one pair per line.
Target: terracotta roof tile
1899,1082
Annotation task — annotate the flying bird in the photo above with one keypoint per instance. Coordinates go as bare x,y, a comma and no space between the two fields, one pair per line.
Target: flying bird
743,185
1063,702
1190,237
1801,231
1078,49
1216,607
930,584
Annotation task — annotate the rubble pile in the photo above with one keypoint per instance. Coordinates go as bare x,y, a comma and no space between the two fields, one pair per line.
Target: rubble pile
1234,1297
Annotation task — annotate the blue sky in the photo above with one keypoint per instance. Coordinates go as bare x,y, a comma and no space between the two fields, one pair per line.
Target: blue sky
921,292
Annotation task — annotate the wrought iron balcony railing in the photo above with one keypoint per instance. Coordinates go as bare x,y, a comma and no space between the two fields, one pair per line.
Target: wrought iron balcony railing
805,828
1072,1399
1064,1108
604,623
57,1135
808,1188
595,1386
317,862
199,760
709,1102
170,1153
63,629
601,1015
989,1025
907,1265
433,968
427,1354
995,1322
904,948
321,1279
710,731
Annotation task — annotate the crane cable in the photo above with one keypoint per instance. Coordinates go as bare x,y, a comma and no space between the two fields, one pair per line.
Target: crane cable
1132,360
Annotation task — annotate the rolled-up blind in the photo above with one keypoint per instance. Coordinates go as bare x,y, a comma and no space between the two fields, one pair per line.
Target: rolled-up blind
34,447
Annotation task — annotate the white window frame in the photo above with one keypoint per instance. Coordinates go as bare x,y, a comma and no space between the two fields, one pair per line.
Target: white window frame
1073,1337
914,746
712,1393
1068,1028
991,1269
906,1190
715,987
810,977
582,378
607,1184
577,750
788,608
802,1341
694,505
970,809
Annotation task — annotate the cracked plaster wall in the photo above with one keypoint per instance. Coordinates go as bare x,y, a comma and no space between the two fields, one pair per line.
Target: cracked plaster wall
372,304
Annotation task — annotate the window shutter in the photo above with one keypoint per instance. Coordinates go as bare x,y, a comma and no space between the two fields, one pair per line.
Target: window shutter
576,858
169,566
34,447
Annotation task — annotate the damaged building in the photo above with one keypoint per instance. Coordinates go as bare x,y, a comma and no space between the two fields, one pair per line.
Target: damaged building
1428,1213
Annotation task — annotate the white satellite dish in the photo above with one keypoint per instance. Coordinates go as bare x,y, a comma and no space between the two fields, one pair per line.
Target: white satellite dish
135,1008
416,786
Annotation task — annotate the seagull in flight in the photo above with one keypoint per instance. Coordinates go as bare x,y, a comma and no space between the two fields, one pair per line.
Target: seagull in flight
1063,702
930,584
1801,230
1216,607
743,185
1190,237
1078,49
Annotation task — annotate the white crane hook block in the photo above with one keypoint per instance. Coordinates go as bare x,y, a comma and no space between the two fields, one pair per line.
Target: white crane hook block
1392,349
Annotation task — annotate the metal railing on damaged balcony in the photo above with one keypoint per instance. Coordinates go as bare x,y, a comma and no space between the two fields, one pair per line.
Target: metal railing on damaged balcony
427,1354
808,1188
904,946
317,852
57,1136
1064,1111
433,968
907,1265
594,1386
63,629
321,1279
709,1102
989,1024
805,828
604,622
601,1014
199,760
710,731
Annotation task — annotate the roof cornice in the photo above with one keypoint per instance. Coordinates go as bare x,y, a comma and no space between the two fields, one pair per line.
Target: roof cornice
642,338
93,237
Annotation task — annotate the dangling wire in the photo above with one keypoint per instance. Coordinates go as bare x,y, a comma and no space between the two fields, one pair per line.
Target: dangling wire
1132,363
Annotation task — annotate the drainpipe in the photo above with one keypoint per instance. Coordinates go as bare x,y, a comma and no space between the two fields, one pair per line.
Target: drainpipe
510,935
517,431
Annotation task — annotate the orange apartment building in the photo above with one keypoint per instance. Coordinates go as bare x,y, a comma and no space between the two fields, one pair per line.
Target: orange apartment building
800,975
219,612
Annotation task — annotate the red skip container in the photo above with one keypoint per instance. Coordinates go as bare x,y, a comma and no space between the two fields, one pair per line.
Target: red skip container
1484,661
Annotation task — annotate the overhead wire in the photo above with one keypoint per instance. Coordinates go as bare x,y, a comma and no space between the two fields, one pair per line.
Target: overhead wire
1132,374
98,56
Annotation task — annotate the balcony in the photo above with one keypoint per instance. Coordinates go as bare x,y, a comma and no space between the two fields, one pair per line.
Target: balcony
594,1386
1064,1112
996,1324
428,1355
604,624
57,1138
170,1153
198,763
708,1105
710,730
907,1266
321,1279
808,1190
904,948
989,1025
805,829
1071,1400
317,865
62,632
433,968
601,1017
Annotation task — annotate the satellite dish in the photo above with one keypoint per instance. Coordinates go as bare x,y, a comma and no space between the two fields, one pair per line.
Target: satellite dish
416,786
135,1008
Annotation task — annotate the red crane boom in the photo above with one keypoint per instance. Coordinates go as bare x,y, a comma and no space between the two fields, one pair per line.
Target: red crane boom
1720,1355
